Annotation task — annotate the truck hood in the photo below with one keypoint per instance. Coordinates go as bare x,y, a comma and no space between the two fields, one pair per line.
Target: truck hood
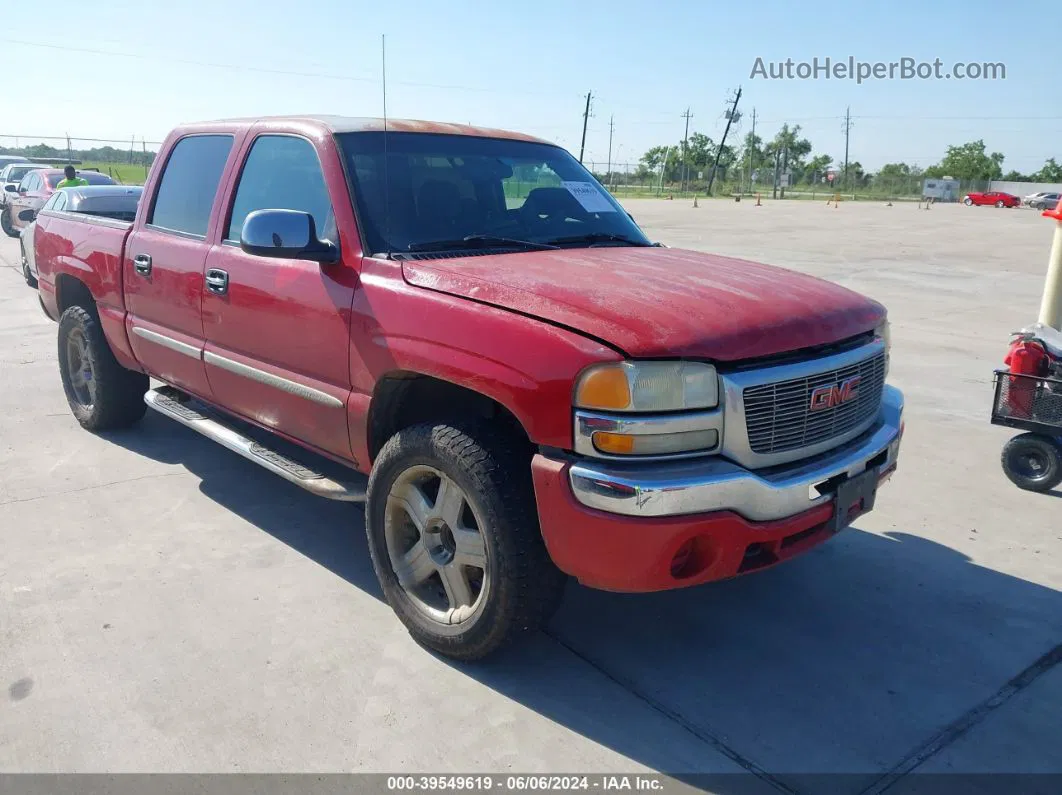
659,302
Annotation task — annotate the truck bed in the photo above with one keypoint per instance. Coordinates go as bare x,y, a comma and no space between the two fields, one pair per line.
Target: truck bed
90,248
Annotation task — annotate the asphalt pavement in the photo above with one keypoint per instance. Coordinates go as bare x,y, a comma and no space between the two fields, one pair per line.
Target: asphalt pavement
166,606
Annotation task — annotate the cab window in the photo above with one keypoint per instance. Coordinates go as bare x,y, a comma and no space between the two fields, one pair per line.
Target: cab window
189,184
282,172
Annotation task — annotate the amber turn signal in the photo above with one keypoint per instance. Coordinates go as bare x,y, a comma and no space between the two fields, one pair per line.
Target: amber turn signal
614,443
604,388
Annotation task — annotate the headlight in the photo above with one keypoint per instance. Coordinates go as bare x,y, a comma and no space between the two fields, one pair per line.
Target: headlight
648,387
884,333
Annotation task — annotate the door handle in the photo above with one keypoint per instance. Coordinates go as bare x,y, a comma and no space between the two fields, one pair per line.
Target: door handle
142,264
217,281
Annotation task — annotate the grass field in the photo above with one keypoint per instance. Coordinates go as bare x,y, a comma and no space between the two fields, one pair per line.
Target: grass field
124,173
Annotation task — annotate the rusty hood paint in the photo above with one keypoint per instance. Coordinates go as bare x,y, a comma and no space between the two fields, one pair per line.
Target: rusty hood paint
660,302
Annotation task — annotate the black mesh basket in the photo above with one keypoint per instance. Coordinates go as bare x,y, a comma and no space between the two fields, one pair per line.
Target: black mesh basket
1029,402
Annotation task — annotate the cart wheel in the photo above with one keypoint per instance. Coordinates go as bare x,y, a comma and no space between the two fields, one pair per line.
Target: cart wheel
1032,462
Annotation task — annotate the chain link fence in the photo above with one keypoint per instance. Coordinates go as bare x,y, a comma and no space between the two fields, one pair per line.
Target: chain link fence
127,161
634,179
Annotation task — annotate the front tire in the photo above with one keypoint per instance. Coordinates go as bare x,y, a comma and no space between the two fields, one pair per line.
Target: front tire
1000,205
102,394
1032,462
967,201
5,223
454,539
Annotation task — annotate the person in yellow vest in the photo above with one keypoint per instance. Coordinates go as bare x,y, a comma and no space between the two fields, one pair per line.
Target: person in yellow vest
72,179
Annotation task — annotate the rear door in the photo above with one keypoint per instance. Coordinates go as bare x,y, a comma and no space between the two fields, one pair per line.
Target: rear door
164,259
278,335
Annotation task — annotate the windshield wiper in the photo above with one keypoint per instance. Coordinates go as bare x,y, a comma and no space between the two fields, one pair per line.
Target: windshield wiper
597,239
477,241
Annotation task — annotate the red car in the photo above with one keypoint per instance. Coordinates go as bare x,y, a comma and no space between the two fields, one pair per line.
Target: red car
996,197
34,190
521,389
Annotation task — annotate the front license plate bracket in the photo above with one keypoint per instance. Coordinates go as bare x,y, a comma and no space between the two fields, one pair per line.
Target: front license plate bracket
855,497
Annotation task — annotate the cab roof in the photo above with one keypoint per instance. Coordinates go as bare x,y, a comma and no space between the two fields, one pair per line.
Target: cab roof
348,124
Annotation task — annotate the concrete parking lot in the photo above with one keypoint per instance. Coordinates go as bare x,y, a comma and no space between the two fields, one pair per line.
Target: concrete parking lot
166,606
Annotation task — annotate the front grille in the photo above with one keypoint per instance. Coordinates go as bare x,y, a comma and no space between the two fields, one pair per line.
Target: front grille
779,418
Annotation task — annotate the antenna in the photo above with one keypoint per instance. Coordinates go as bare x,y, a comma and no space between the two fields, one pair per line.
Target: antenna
387,181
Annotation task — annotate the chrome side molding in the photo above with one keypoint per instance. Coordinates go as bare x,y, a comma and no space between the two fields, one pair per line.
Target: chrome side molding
275,381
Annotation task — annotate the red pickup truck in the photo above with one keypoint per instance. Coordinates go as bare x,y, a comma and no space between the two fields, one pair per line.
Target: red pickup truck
461,328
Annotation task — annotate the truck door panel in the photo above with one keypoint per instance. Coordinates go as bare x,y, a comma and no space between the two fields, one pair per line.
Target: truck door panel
278,339
164,262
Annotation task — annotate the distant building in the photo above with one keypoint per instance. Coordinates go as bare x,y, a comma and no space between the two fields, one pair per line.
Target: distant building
944,189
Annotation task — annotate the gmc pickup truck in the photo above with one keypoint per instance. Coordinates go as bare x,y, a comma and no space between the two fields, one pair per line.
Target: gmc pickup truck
462,329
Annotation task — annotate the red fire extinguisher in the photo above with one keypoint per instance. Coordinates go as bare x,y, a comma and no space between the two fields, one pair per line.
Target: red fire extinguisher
1026,357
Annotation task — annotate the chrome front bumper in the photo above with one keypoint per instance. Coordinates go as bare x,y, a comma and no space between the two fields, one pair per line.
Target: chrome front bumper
717,484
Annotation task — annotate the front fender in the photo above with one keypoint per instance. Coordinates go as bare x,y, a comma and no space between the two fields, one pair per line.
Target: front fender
525,364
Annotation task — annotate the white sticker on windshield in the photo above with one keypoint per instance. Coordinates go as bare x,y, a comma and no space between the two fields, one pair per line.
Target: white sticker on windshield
588,195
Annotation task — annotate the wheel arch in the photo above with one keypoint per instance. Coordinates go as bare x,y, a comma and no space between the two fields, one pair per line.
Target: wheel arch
402,398
72,291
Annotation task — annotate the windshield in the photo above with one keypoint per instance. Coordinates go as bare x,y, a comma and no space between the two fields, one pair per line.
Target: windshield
91,177
16,173
445,188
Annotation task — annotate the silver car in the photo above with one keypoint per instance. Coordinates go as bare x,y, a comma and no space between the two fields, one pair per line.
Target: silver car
1045,201
118,202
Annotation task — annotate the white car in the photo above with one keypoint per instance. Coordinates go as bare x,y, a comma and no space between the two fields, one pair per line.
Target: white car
12,174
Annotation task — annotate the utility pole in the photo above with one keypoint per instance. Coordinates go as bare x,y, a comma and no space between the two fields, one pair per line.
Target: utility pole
731,115
685,160
847,131
752,149
611,126
586,118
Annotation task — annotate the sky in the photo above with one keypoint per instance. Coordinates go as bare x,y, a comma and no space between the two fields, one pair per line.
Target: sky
128,69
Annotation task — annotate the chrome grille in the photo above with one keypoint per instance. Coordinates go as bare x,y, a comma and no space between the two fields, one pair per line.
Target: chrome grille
778,416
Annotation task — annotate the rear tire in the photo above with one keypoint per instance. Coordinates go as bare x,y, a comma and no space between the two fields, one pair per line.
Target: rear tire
1000,205
102,394
1032,462
32,282
5,223
493,555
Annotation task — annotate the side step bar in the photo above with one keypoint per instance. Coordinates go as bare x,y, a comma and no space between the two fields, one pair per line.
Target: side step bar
166,400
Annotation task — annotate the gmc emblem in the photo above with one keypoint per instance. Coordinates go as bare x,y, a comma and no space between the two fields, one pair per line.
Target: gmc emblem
826,397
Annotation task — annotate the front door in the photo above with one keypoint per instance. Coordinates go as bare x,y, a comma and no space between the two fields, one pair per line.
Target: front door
30,197
164,260
278,330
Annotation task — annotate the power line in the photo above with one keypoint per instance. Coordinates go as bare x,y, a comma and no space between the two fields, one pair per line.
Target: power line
732,115
611,127
266,70
847,133
74,137
586,118
685,160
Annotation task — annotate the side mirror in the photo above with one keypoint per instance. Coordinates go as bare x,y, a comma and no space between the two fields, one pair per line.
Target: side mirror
285,234
27,215
11,188
22,190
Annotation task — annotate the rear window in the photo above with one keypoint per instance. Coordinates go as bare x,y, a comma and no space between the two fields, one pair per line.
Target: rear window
91,177
189,184
16,173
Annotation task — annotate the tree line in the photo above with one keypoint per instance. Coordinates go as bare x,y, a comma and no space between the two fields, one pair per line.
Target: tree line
790,152
99,154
